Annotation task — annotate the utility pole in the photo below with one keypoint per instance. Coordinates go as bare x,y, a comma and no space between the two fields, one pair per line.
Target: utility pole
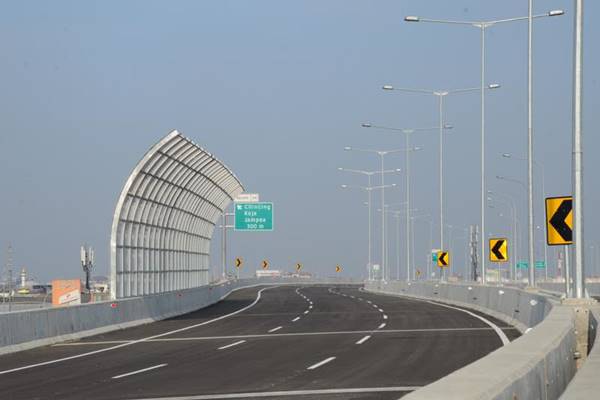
474,232
87,263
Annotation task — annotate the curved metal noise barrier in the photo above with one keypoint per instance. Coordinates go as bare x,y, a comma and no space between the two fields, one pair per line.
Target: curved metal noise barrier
165,217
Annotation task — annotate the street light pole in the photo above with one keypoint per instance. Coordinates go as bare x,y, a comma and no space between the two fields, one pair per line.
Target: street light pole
542,169
483,25
369,174
407,132
578,239
381,154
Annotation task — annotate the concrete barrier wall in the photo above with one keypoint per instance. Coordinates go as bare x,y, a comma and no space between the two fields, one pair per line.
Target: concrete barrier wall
27,329
538,365
593,288
586,385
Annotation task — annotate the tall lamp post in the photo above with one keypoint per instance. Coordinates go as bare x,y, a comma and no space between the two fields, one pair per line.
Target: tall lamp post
482,26
381,154
513,208
440,94
541,168
407,132
369,175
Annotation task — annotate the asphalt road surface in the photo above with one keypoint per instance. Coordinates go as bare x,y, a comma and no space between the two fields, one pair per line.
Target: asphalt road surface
285,342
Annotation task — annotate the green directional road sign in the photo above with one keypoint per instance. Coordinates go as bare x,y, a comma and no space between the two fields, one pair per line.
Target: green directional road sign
522,265
540,265
253,217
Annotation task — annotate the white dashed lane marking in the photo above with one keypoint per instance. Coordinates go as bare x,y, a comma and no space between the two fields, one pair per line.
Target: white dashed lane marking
361,341
319,364
231,345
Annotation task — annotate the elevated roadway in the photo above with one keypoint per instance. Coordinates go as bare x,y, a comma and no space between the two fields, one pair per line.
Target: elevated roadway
299,342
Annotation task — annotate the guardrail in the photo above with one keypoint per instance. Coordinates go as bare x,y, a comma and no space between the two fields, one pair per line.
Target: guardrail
22,330
537,365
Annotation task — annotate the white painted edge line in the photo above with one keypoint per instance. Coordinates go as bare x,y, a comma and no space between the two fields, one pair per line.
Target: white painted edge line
321,363
253,395
275,329
295,319
382,326
231,345
380,310
361,341
385,316
139,371
306,312
58,360
495,327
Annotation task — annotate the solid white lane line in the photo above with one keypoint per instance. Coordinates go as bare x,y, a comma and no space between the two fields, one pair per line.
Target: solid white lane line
361,341
275,329
495,327
295,319
321,363
382,326
278,335
139,371
231,345
385,316
306,312
8,371
254,395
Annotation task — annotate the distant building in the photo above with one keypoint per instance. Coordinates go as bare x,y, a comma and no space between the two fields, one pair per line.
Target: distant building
268,273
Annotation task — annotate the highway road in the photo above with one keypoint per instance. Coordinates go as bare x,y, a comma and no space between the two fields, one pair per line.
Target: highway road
283,342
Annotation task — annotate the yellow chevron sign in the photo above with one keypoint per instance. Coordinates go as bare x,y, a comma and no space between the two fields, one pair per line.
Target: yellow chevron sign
443,259
559,220
499,250
338,268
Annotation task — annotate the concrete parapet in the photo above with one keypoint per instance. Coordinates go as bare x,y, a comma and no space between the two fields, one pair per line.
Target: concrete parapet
538,365
22,330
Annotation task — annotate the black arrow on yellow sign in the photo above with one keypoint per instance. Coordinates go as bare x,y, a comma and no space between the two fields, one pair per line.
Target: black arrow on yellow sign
298,267
443,259
238,262
265,264
559,218
338,268
498,250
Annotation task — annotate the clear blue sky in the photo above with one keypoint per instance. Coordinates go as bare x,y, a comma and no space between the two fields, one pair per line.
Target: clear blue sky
276,90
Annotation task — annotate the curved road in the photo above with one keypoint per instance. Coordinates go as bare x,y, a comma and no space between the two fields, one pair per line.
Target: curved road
312,342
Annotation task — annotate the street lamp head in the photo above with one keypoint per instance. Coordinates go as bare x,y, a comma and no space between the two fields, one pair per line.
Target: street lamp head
499,177
490,192
555,13
340,169
398,170
506,155
412,18
387,87
347,148
448,126
493,86
344,186
393,185
417,148
366,125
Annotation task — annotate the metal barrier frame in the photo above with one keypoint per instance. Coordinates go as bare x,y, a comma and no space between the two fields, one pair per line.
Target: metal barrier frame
165,217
